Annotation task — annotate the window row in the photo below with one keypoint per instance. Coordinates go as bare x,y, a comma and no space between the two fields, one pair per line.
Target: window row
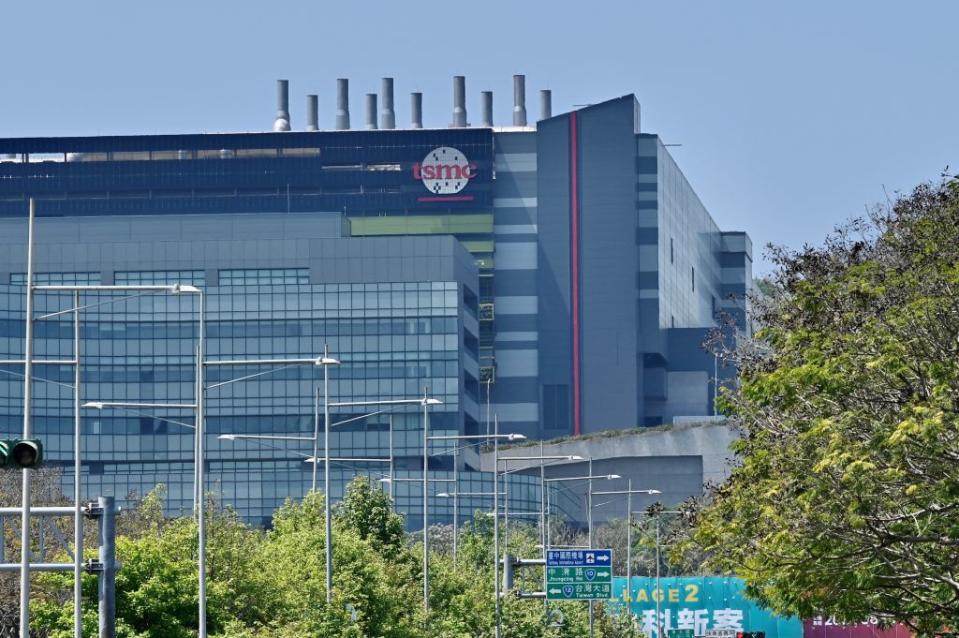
235,329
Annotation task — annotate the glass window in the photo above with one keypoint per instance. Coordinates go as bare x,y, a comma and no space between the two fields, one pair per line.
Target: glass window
158,277
264,276
57,278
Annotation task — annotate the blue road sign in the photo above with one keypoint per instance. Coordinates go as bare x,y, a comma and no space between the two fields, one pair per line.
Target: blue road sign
579,558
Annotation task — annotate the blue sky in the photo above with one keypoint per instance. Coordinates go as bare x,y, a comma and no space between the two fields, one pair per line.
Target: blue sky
792,116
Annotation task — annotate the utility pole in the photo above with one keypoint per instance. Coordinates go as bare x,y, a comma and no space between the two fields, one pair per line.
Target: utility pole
496,523
659,591
589,526
27,389
107,577
78,516
426,503
629,544
327,497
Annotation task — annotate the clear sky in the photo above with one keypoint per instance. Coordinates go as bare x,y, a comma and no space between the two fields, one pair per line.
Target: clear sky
792,115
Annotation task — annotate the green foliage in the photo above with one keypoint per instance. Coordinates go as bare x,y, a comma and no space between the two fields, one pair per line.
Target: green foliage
273,585
846,501
368,512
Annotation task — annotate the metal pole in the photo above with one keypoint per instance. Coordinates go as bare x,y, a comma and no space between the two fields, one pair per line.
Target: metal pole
392,466
27,389
327,497
589,526
107,580
542,518
426,504
496,521
200,471
316,434
629,544
78,516
456,501
488,382
659,591
505,507
196,449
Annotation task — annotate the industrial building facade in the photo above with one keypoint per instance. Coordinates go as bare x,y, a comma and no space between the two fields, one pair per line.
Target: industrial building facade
563,274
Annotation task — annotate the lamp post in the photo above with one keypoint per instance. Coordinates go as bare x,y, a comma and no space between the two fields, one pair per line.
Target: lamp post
658,514
467,437
425,401
456,493
456,496
589,510
75,362
198,406
629,491
542,458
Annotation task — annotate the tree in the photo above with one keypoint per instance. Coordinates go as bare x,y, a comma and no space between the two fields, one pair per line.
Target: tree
369,513
846,501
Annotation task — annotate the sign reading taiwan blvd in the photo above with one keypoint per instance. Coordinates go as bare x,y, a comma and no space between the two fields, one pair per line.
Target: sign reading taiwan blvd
579,574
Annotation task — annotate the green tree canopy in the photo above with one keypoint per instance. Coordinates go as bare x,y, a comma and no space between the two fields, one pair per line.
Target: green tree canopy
846,501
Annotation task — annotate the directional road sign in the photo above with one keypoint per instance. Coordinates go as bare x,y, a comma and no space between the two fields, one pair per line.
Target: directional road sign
579,557
581,574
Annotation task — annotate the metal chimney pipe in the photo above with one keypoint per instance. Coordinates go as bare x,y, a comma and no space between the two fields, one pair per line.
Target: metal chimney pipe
342,104
486,102
545,104
387,115
459,102
519,100
416,110
371,111
282,121
312,113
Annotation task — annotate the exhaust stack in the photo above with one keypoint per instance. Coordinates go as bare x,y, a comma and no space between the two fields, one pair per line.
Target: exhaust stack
282,121
371,111
342,104
387,115
519,100
545,104
416,110
486,112
312,113
459,102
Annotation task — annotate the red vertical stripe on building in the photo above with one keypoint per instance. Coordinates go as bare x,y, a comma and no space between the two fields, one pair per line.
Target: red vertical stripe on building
574,265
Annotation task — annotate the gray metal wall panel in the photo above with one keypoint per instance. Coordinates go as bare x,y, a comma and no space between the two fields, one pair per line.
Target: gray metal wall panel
609,265
553,276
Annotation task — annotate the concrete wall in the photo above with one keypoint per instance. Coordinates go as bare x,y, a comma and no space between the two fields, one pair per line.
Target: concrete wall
679,461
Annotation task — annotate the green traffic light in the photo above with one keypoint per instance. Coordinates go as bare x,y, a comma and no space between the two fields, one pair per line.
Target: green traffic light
27,453
5,453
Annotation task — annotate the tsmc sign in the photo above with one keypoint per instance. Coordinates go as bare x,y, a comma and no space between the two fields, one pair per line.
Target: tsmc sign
444,171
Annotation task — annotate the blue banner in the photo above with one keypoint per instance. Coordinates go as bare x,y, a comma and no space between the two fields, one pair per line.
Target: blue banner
703,604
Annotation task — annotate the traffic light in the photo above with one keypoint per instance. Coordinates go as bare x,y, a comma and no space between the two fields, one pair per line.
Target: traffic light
23,453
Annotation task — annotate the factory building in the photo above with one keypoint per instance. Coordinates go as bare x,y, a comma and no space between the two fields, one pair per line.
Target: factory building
558,272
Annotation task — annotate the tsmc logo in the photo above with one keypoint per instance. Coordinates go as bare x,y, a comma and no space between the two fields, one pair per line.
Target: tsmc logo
444,171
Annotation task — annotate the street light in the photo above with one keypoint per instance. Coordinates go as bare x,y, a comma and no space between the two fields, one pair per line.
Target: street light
425,401
496,436
542,458
200,439
629,491
75,362
589,510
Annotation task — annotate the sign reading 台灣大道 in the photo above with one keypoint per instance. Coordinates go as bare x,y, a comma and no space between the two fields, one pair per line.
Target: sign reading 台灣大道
580,574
